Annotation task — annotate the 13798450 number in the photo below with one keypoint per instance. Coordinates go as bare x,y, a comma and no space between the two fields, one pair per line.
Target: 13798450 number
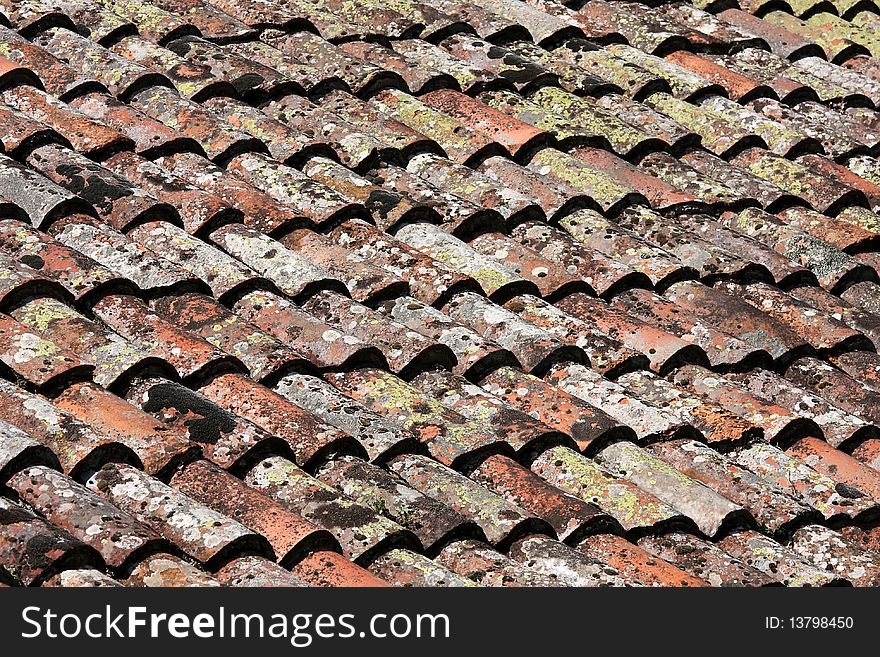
820,622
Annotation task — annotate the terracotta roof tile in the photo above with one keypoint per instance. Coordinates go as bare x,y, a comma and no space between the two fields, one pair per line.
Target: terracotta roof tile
224,438
430,280
836,555
121,539
556,199
588,425
20,282
117,201
524,433
704,560
655,180
213,23
192,356
323,345
36,197
718,425
739,87
406,351
474,354
293,273
784,43
193,80
22,133
711,512
460,142
285,144
56,77
767,195
158,448
114,359
218,139
227,277
265,356
536,348
664,351
830,497
307,437
250,79
480,563
720,134
864,296
607,355
261,211
570,517
77,445
81,577
738,318
151,138
331,569
603,273
834,463
518,137
724,350
387,208
407,568
352,145
362,77
257,572
621,245
474,186
449,437
572,78
120,76
825,334
563,113
861,365
496,279
306,196
521,72
837,425
380,437
779,422
168,570
20,451
35,360
776,512
712,262
851,231
419,80
36,550
81,276
366,117
199,210
780,563
435,523
636,563
363,534
217,537
636,510
566,566
836,386
834,269
290,535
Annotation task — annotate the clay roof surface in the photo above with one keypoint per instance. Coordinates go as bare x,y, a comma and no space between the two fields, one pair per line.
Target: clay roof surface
450,293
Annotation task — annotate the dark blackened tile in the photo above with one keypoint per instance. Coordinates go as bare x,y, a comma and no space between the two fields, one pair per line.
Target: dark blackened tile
36,550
